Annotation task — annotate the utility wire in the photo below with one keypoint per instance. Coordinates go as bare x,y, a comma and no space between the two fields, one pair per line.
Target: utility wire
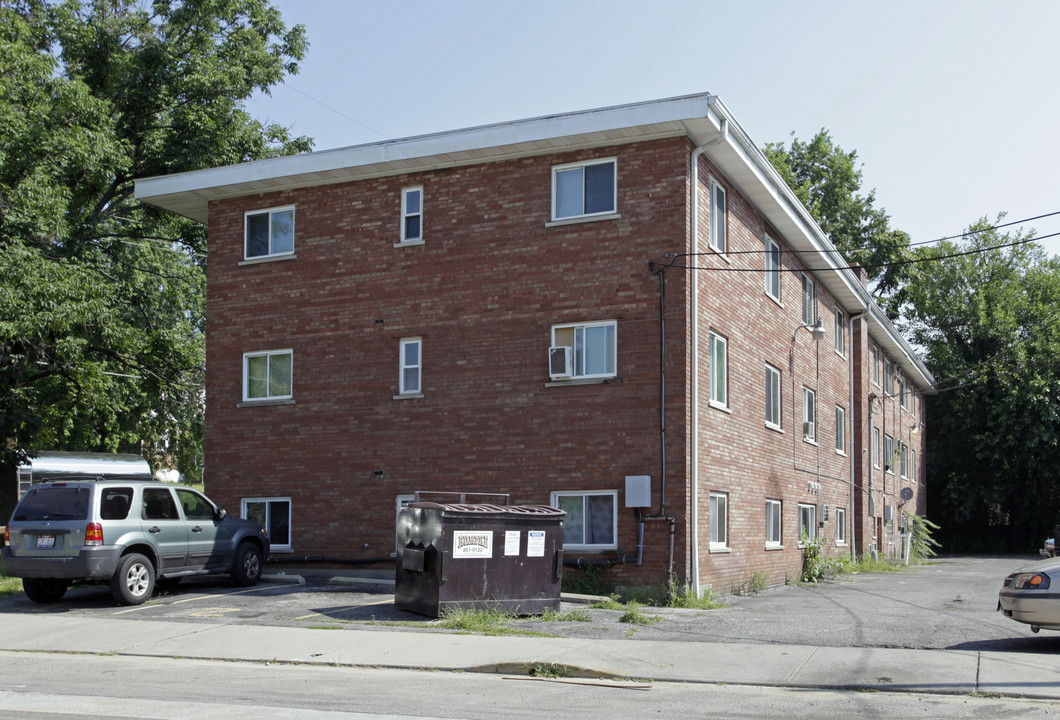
337,112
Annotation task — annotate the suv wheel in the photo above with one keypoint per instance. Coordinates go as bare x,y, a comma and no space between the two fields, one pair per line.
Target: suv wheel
44,590
134,580
247,569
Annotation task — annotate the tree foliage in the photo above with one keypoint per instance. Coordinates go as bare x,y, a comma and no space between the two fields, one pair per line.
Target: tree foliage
102,299
827,180
989,324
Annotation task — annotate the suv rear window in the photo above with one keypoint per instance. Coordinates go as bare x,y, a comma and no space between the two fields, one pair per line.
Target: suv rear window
54,503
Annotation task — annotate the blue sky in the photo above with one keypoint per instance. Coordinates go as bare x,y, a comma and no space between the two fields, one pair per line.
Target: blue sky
952,106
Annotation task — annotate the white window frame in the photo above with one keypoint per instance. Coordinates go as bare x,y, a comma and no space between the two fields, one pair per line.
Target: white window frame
904,462
875,365
404,387
407,239
903,390
270,354
840,333
888,453
840,526
888,377
578,360
273,547
270,212
558,169
809,415
585,494
774,511
807,522
912,465
772,269
773,398
809,300
876,447
719,371
840,430
719,521
719,220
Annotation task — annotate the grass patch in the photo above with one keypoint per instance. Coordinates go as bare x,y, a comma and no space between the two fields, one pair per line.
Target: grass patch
550,615
756,583
10,585
611,602
484,622
635,616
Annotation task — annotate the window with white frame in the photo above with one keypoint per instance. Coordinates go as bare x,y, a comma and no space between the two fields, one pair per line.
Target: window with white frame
840,332
268,233
273,514
268,375
875,447
912,465
592,519
774,523
592,348
719,521
841,526
888,376
903,388
412,215
840,430
772,269
807,522
809,300
905,460
719,218
773,413
719,370
809,414
875,366
584,189
410,378
888,453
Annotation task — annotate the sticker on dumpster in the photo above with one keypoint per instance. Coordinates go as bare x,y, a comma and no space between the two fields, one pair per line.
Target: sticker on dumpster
535,543
472,544
511,542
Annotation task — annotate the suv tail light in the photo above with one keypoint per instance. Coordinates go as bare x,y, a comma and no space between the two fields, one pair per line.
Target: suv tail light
7,537
94,534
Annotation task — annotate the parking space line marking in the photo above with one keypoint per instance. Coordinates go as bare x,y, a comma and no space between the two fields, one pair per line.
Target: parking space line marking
178,602
342,609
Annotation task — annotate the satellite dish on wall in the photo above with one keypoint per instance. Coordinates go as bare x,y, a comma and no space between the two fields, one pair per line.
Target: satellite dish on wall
907,494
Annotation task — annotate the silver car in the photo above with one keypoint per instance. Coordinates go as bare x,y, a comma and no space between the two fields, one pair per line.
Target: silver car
1031,595
128,533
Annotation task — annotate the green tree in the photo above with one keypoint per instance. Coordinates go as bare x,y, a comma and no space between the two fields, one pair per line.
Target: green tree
102,299
989,324
827,181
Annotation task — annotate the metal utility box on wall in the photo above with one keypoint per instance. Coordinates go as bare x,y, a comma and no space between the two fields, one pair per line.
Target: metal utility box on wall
499,557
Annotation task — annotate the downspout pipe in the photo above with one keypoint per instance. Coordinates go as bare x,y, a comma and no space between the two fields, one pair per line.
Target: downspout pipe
853,446
693,234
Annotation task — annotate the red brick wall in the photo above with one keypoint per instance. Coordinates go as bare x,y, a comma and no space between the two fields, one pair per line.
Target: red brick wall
482,292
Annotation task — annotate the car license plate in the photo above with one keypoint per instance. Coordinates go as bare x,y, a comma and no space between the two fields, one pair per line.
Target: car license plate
45,541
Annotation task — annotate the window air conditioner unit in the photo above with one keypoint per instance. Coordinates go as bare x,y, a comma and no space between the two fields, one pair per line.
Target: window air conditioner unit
807,429
560,362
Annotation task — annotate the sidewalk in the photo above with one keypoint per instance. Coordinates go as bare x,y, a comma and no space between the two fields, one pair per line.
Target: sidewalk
922,671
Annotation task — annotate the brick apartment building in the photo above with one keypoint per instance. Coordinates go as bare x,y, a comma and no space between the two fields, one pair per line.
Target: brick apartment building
621,312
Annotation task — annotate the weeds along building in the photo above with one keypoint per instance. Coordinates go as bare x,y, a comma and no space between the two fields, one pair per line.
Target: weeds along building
621,312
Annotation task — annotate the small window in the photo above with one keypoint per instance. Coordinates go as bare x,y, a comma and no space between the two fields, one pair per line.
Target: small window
592,348
195,506
809,300
773,413
888,376
584,189
841,526
905,461
269,233
719,218
840,430
772,269
411,366
158,505
412,215
719,370
807,523
592,519
719,521
875,447
809,415
267,375
840,332
774,523
273,514
875,366
115,503
888,454
903,389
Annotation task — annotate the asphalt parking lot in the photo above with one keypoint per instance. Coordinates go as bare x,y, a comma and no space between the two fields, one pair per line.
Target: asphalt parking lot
950,603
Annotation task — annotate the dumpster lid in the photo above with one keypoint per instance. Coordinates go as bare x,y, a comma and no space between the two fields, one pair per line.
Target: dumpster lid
486,509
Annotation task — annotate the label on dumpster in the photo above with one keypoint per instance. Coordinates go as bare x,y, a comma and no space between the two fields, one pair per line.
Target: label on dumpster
511,542
535,543
472,544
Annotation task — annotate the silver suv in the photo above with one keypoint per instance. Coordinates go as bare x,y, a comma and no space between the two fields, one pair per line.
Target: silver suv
130,533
